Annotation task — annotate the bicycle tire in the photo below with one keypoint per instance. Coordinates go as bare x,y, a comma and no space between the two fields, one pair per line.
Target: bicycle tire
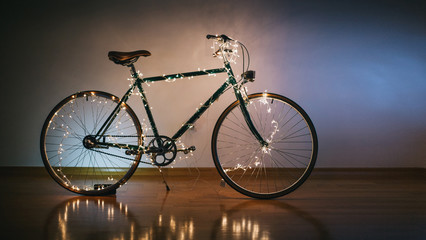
265,171
82,170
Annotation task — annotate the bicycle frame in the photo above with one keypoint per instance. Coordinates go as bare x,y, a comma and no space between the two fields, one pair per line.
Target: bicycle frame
92,142
231,81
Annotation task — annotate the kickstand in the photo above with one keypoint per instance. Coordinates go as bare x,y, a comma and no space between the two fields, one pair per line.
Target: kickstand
164,179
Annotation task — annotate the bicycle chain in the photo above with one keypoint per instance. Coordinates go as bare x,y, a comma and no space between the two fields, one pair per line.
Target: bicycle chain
113,155
127,136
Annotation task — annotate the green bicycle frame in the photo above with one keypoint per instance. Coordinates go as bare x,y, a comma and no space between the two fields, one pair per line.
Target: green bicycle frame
231,81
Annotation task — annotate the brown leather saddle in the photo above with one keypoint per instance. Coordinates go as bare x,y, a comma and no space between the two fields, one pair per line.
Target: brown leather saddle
127,58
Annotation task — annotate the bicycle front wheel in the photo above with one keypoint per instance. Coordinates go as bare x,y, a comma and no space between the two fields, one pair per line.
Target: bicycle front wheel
257,170
66,151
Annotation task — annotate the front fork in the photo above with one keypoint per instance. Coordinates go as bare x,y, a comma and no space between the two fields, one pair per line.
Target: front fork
243,106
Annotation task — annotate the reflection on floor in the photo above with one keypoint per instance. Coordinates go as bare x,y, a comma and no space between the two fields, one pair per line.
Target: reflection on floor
332,204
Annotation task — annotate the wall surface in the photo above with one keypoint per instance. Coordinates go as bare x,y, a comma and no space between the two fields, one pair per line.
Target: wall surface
357,67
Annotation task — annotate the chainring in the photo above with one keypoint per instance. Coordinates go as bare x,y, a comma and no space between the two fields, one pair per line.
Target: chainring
163,150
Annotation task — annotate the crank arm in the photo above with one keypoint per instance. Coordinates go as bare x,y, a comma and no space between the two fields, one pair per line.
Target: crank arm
186,150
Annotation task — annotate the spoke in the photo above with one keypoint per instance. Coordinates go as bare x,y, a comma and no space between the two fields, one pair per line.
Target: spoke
80,168
232,129
292,155
255,169
242,126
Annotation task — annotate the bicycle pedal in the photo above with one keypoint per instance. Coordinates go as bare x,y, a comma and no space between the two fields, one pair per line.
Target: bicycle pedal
187,150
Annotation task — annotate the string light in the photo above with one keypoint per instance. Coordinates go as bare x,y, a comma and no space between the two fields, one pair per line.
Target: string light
69,133
226,50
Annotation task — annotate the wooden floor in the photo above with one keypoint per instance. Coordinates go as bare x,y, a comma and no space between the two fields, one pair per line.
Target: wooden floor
332,204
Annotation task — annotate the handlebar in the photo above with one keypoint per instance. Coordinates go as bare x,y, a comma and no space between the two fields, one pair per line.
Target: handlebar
227,49
223,37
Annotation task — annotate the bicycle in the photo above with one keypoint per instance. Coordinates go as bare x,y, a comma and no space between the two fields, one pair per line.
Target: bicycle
263,145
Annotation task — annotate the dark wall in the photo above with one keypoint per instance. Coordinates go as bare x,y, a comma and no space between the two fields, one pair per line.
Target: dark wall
357,67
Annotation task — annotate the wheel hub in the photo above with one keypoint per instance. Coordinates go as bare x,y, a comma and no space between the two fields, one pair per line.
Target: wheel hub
89,142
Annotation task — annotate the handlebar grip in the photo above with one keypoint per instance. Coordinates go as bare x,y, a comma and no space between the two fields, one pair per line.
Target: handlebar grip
223,37
210,36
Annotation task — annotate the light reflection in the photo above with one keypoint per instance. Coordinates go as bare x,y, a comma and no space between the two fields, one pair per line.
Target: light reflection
242,228
224,222
247,221
105,218
98,217
248,228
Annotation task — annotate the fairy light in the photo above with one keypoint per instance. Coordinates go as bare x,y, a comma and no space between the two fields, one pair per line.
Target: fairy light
66,128
256,162
264,97
266,150
228,52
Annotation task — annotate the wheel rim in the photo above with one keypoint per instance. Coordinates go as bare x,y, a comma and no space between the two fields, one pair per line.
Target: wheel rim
67,143
265,171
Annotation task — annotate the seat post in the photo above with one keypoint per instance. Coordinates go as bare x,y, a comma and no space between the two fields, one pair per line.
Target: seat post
132,70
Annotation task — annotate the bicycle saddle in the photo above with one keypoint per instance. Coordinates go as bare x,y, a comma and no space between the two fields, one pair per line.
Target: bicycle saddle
127,58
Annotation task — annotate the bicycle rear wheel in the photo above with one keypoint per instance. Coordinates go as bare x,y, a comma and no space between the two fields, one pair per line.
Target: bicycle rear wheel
265,171
82,169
